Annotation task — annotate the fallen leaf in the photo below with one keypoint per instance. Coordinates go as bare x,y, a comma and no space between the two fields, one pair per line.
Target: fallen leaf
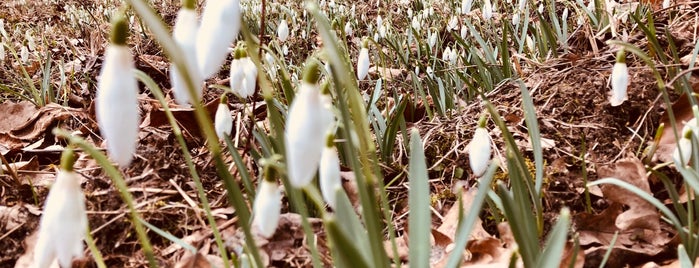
196,260
640,214
15,114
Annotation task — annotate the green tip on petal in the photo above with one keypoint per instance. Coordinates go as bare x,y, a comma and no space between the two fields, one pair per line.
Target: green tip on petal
120,29
224,98
621,56
311,74
482,121
67,159
365,43
270,173
330,140
189,4
335,24
687,134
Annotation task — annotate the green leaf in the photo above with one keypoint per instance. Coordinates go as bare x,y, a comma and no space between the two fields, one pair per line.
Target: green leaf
551,257
419,204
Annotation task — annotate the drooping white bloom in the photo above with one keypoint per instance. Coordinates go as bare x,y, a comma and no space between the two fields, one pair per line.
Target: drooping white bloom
267,207
453,23
117,101
223,122
283,30
184,34
522,4
63,223
666,4
446,54
479,151
250,81
466,6
541,8
237,76
348,29
415,23
464,31
453,56
430,72
308,121
433,39
684,147
379,21
530,44
619,80
487,10
329,175
24,54
220,25
2,51
363,63
382,31
515,18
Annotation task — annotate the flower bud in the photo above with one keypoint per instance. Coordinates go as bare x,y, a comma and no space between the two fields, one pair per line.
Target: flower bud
684,148
329,173
223,122
363,61
117,97
63,223
220,25
308,121
184,34
283,30
620,80
267,207
479,149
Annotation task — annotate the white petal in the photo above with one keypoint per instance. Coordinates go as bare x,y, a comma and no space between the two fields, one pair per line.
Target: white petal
63,223
620,83
237,76
479,151
330,175
223,121
117,104
363,63
250,80
267,208
466,6
307,124
220,25
686,145
283,30
184,34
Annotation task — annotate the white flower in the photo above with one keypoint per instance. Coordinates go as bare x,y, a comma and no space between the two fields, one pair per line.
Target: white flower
329,175
446,54
223,122
464,31
433,39
453,23
250,80
666,4
466,6
363,63
487,9
348,29
379,21
382,31
283,30
684,147
430,72
267,208
237,76
63,224
184,34
541,8
24,54
530,44
453,56
515,18
117,103
308,121
2,51
620,80
220,25
415,23
479,151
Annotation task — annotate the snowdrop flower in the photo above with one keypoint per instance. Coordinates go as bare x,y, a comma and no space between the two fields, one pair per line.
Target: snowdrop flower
666,4
267,207
363,61
487,10
2,51
329,173
683,151
453,23
382,31
308,121
243,74
220,25
415,23
541,8
117,103
433,39
522,5
184,34
63,223
430,72
530,44
479,149
283,30
24,54
379,21
348,29
410,12
466,6
453,56
223,122
417,70
446,54
620,80
515,18
464,31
